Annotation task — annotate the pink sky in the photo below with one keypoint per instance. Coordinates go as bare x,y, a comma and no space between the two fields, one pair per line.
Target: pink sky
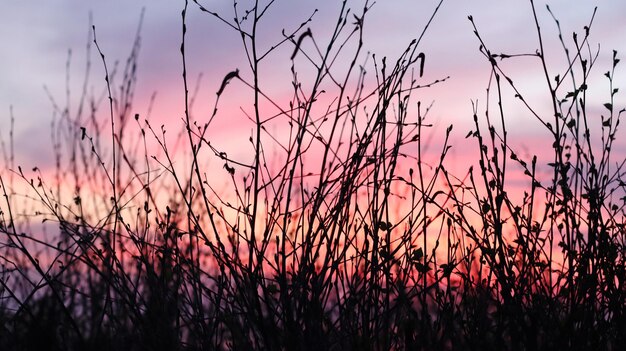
36,36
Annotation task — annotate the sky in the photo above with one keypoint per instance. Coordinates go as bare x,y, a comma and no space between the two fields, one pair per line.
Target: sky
37,35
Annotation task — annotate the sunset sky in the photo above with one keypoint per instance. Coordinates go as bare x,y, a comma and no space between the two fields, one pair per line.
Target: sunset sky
461,188
36,37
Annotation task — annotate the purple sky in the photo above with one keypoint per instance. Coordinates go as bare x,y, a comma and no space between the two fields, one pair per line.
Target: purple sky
36,36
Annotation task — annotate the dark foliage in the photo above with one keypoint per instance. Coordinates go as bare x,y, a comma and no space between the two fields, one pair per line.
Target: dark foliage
338,233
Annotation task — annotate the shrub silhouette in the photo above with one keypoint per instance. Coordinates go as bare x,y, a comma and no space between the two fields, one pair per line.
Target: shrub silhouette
341,233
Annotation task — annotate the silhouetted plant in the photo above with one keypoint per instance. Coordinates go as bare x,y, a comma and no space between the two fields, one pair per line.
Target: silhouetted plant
342,233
